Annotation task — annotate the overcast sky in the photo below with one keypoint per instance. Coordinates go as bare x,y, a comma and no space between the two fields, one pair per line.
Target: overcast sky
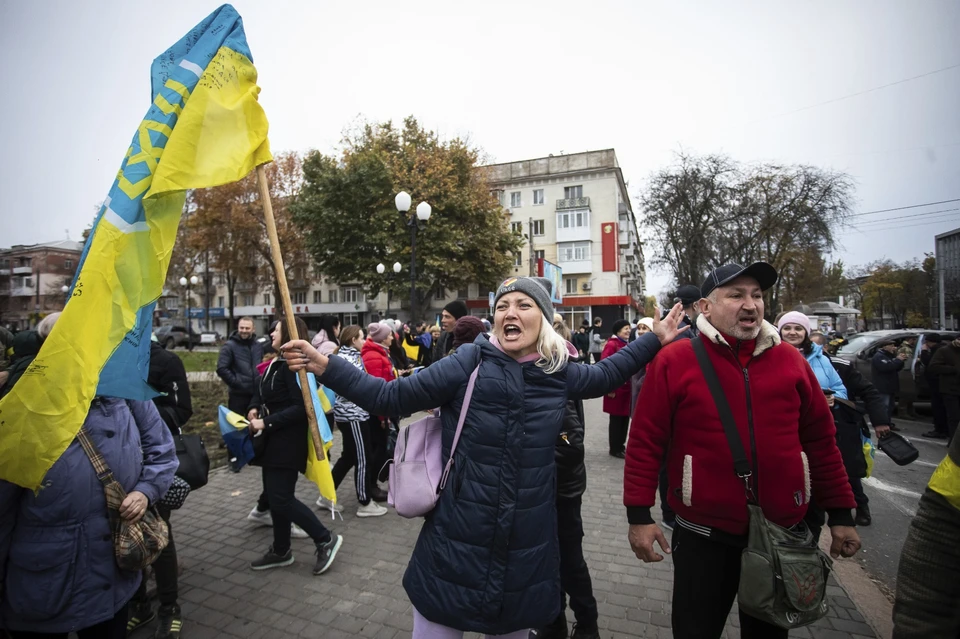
520,80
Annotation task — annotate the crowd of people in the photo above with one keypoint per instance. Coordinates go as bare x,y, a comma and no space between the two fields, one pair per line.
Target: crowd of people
501,553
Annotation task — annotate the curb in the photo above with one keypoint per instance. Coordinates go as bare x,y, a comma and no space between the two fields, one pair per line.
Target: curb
876,609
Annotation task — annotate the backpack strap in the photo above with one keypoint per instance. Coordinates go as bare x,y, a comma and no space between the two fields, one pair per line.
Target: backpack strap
463,416
740,464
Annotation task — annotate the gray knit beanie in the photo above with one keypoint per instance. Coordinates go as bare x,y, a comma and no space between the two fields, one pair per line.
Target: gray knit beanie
538,288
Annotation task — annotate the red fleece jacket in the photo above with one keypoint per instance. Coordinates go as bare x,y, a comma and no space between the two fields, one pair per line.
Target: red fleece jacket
794,438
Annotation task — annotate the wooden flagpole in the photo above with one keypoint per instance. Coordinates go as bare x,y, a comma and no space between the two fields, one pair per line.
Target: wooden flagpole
288,315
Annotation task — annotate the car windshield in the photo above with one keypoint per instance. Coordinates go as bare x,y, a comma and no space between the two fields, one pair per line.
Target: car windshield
857,344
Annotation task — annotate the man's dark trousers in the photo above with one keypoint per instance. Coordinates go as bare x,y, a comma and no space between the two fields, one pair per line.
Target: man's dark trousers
705,582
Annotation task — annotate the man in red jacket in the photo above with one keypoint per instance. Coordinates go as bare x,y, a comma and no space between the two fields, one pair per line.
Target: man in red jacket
786,429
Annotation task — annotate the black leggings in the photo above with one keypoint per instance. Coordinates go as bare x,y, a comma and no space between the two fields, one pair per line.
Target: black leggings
164,570
356,441
279,485
115,628
618,429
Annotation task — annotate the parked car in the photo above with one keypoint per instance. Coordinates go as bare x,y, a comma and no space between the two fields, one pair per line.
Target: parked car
913,385
172,336
210,338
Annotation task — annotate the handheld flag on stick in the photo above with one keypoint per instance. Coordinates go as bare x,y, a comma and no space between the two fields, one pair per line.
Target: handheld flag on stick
236,435
204,128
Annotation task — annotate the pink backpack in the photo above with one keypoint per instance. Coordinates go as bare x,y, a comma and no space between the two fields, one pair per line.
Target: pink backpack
417,474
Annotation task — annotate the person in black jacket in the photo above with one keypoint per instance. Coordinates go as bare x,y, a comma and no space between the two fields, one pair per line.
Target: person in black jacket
886,365
859,389
237,365
575,579
278,422
168,376
581,341
931,343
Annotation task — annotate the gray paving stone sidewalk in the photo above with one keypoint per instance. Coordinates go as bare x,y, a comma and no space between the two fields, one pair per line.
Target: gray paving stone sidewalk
362,595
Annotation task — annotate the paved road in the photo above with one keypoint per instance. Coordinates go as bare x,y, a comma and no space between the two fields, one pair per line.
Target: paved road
362,594
894,492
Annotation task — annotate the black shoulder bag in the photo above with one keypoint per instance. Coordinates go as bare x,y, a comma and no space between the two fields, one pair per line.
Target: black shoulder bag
783,572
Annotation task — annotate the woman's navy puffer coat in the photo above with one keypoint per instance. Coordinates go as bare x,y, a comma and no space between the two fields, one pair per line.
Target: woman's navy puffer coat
487,558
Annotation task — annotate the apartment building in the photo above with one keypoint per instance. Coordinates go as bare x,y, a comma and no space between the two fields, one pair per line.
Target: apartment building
947,252
32,278
576,214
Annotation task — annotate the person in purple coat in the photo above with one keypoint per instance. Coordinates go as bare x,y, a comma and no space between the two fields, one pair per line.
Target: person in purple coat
57,569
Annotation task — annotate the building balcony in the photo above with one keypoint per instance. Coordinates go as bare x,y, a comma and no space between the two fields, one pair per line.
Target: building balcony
576,267
21,291
22,270
4,271
574,234
246,286
573,203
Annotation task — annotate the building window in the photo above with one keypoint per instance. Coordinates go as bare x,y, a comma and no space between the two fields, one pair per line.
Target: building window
300,297
539,255
573,219
463,293
332,297
538,196
317,297
221,279
538,227
570,192
248,299
266,299
220,301
518,259
515,199
498,196
570,285
517,227
351,295
573,251
350,319
68,264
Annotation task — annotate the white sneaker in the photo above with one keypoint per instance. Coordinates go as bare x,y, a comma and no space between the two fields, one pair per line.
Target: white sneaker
296,532
260,518
326,504
373,509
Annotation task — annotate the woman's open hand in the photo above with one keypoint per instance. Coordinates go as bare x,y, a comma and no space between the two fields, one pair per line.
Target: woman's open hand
299,354
666,329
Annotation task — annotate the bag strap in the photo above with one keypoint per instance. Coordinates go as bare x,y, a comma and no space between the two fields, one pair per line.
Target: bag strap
463,416
104,474
740,464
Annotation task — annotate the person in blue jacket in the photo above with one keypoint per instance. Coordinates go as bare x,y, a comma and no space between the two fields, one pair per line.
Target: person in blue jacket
58,574
487,557
794,329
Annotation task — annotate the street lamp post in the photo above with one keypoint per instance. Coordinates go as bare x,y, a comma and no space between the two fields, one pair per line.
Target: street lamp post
381,269
65,289
188,283
403,202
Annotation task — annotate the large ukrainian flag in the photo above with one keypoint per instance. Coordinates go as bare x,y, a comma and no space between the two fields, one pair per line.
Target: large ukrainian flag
204,128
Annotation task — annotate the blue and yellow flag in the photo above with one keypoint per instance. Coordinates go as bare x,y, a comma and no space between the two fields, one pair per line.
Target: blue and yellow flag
204,128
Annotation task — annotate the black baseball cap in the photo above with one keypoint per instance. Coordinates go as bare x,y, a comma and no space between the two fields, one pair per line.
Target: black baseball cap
765,275
687,294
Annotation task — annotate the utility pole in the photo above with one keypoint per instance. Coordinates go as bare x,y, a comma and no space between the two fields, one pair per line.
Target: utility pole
533,253
206,289
943,305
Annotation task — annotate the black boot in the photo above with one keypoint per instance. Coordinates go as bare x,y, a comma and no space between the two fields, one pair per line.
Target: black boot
863,515
556,629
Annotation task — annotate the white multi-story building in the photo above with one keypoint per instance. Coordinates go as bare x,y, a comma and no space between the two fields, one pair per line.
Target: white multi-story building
573,209
575,213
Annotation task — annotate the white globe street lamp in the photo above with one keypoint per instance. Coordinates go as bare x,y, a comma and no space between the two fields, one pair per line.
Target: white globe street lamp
403,202
423,211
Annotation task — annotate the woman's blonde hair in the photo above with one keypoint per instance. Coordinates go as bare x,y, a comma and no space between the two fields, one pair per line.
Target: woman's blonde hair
551,347
561,327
